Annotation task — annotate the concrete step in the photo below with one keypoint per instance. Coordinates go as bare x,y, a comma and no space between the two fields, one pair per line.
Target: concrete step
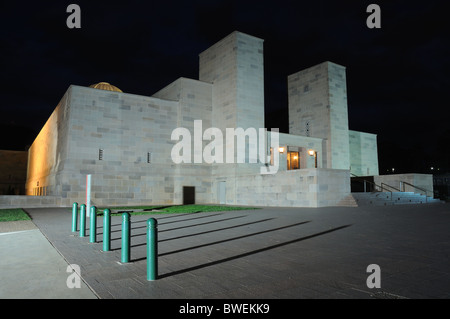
348,201
394,198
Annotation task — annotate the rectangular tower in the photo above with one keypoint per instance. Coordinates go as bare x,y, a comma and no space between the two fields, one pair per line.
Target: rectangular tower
318,108
235,67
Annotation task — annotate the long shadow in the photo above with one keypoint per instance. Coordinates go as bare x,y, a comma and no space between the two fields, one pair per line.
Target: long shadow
176,221
182,220
158,207
143,234
210,222
233,238
201,233
214,230
226,240
172,215
177,272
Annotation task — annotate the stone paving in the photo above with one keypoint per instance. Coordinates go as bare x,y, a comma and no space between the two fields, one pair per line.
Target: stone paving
267,253
31,268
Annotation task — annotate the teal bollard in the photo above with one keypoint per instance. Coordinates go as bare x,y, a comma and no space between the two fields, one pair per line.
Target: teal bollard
125,238
152,249
82,220
106,230
93,226
74,217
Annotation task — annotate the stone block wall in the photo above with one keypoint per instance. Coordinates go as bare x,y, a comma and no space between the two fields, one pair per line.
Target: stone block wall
48,154
318,108
133,133
25,201
296,188
235,67
195,103
363,153
424,181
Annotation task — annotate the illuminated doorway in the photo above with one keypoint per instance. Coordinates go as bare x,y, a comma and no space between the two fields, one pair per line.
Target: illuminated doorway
293,160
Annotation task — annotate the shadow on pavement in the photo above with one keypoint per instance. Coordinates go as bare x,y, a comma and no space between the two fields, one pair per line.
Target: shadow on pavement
177,272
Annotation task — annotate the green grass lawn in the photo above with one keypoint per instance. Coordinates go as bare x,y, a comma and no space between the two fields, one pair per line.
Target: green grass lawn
175,209
13,214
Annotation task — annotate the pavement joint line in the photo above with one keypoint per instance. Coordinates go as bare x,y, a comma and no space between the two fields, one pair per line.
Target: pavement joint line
16,232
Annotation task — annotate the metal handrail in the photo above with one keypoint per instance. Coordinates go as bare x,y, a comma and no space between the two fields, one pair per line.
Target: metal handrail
367,181
422,189
389,186
370,182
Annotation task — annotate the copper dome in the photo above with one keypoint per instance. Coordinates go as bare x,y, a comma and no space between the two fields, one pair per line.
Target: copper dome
105,86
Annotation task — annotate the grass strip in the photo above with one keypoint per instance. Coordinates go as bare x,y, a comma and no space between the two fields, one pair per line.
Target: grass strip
13,214
173,209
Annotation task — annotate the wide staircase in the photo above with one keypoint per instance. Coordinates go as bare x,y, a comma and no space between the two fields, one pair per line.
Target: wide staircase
370,194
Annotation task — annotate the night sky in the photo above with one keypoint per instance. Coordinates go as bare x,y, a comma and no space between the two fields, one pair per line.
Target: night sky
397,76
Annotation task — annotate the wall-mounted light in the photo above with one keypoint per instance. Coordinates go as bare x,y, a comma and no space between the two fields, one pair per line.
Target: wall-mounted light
281,149
313,153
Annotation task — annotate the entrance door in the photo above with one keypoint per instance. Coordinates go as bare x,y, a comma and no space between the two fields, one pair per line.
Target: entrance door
188,195
222,192
293,160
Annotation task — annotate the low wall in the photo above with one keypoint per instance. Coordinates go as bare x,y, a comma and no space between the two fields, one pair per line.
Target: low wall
28,201
312,187
424,181
295,188
24,201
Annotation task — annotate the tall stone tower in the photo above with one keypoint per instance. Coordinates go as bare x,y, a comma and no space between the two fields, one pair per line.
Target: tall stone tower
235,67
318,108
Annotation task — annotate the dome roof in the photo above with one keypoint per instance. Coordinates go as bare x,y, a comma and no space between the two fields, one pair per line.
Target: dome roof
105,86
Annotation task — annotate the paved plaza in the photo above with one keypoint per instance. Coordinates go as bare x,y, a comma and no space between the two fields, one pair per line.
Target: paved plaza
266,253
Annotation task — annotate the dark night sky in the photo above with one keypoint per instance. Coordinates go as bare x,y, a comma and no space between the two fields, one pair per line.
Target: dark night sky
396,75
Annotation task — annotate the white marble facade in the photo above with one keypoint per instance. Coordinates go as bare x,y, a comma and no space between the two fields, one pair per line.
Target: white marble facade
124,140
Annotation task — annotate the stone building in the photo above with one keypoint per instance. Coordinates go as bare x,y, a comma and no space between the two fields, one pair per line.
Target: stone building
126,142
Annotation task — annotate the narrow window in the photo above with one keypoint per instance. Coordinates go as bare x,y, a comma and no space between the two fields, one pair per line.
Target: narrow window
149,157
100,154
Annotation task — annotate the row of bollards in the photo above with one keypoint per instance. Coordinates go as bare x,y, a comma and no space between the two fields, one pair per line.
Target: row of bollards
152,235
